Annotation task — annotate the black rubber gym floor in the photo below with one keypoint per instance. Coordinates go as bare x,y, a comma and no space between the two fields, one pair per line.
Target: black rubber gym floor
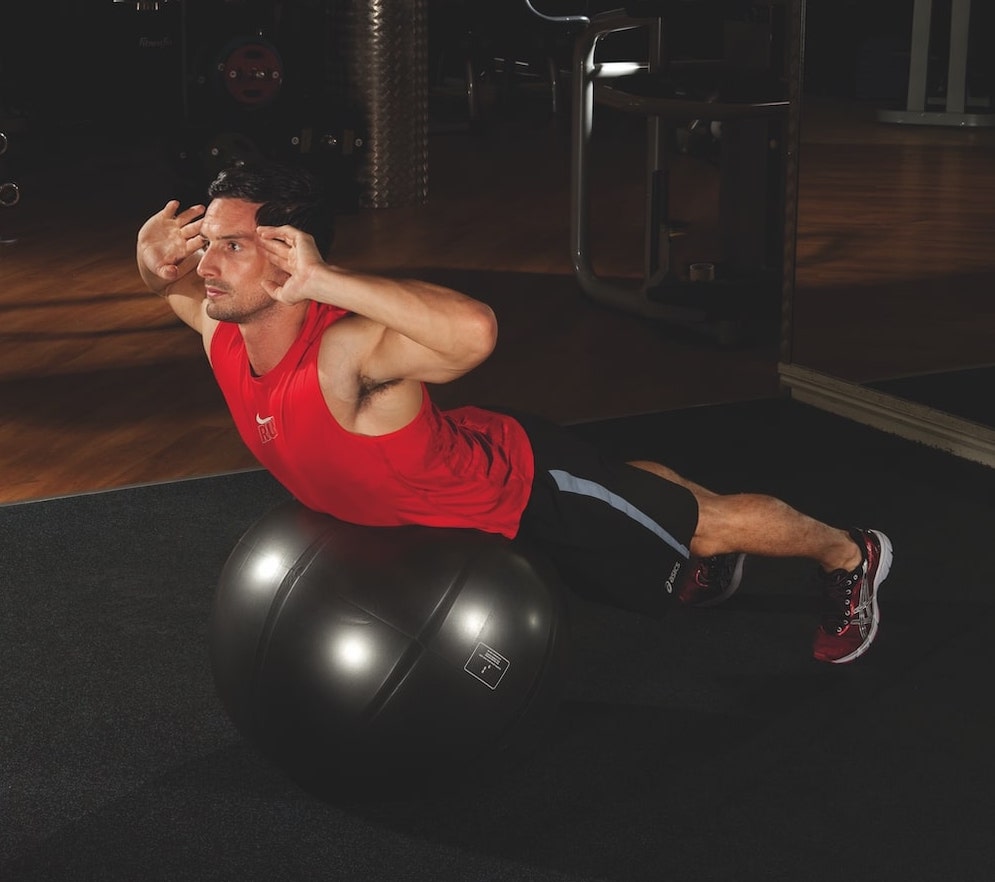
707,745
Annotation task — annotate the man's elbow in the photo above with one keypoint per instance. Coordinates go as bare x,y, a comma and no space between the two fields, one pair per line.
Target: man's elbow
481,334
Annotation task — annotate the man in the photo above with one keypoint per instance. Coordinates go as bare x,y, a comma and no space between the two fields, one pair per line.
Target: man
325,373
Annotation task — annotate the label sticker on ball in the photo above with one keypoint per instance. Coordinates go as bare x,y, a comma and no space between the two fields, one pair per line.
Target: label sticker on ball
487,665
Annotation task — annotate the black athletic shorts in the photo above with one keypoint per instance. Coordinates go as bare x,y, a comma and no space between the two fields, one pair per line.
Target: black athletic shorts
616,533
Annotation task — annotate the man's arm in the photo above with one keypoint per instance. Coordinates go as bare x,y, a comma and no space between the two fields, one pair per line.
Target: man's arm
413,330
168,252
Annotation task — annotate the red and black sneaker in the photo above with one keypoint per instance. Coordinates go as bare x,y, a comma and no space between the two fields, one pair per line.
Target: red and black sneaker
712,580
850,620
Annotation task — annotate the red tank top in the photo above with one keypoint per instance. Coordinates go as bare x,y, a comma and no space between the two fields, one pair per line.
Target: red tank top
459,468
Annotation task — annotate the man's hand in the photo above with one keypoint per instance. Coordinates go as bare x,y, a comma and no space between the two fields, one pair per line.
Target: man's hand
294,253
166,241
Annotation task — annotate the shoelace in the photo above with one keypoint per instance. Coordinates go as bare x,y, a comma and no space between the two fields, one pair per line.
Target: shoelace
839,599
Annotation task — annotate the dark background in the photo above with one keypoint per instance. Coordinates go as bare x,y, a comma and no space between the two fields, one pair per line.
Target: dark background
75,67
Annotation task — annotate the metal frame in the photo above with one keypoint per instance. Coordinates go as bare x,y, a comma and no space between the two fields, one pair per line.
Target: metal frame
585,72
956,99
658,294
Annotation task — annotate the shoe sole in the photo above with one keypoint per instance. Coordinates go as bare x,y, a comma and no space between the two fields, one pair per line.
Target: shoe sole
884,567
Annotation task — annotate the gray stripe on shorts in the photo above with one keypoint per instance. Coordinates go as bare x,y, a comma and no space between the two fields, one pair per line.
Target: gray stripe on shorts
568,483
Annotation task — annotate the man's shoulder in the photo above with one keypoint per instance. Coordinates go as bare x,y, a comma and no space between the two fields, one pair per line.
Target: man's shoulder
346,327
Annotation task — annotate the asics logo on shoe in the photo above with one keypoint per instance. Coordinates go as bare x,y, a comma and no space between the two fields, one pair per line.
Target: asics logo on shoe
863,613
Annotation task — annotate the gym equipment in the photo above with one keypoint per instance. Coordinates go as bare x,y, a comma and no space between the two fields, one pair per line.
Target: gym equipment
10,192
381,657
383,46
956,99
251,71
145,5
258,83
143,57
738,90
328,144
496,48
226,149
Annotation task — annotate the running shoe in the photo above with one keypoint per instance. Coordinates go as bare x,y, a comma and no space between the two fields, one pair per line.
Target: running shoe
850,619
712,580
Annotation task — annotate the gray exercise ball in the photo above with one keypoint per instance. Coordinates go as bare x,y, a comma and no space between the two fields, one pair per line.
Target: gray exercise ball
375,656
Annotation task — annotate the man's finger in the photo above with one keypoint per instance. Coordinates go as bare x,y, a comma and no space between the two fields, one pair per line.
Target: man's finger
190,215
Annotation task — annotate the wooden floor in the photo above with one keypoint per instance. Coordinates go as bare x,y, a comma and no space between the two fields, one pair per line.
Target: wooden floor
896,269
100,386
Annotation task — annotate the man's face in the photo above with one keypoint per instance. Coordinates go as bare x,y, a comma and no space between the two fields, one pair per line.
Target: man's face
233,266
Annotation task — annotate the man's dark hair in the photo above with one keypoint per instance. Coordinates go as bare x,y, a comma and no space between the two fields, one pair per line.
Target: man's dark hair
288,195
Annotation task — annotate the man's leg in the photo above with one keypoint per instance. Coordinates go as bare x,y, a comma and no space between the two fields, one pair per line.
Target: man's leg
854,563
758,524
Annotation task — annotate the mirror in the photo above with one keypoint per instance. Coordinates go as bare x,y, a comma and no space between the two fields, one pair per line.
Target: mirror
893,313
